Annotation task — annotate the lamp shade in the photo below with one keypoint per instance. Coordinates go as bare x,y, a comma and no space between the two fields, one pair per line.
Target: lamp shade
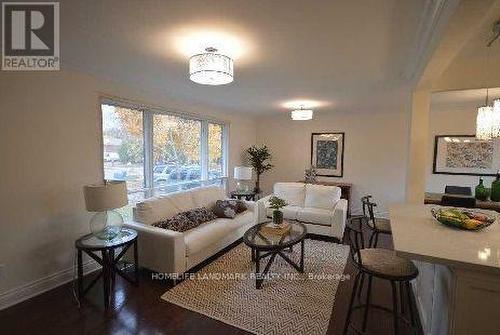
110,195
242,173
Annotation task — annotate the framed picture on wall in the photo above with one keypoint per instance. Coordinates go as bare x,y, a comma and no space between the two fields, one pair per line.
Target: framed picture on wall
327,154
465,155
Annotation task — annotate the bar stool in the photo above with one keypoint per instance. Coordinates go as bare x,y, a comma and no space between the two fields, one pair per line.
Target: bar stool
382,264
377,225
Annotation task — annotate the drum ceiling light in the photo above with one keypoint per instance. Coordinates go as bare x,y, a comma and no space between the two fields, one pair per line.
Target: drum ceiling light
211,68
302,114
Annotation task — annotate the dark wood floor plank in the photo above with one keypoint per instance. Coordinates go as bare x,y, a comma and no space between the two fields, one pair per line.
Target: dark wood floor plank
139,310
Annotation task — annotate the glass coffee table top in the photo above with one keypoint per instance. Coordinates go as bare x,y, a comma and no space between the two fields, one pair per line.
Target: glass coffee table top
256,238
91,242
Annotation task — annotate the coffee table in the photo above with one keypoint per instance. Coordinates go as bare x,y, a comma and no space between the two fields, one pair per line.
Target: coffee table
264,245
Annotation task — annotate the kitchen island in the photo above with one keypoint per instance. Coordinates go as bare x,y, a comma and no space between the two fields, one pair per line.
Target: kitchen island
458,287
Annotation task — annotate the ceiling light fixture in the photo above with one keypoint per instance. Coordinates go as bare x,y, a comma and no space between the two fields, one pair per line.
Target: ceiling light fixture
302,114
488,117
211,68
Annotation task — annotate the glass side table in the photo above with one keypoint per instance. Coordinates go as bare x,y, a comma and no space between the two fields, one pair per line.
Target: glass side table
244,195
91,245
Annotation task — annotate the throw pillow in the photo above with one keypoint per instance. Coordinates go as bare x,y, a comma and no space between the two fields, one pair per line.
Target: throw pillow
200,215
179,222
187,220
225,209
240,205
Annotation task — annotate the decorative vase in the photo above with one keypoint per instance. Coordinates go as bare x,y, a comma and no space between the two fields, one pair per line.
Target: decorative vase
277,217
481,192
495,189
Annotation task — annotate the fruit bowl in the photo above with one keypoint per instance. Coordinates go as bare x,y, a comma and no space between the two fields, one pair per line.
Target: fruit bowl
462,218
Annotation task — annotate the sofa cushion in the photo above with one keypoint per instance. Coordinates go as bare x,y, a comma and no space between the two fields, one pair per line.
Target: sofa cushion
321,196
289,212
209,233
183,200
293,193
316,216
207,196
154,209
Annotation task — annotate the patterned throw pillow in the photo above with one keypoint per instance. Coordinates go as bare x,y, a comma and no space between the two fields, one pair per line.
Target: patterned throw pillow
240,206
179,222
229,208
187,220
200,215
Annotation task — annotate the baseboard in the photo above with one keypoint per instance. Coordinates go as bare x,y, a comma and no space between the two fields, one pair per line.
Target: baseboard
39,286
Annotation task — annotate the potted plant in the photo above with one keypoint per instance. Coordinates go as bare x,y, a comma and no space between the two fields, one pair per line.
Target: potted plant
276,204
258,157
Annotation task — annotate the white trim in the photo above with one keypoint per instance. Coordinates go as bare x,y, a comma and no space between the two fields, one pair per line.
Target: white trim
432,22
39,286
122,102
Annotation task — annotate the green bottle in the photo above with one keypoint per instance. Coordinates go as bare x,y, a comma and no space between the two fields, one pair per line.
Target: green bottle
481,191
495,188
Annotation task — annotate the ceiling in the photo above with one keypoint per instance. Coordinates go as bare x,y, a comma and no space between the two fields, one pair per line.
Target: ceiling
346,55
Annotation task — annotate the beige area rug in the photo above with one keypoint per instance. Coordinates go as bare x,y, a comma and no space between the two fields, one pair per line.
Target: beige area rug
288,303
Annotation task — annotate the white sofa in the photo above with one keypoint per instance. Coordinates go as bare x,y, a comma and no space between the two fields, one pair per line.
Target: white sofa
319,207
168,251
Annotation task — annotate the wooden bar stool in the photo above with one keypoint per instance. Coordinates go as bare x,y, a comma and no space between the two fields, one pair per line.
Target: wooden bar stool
377,225
383,264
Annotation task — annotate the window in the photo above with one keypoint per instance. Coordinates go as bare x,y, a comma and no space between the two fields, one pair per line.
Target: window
123,148
157,152
176,149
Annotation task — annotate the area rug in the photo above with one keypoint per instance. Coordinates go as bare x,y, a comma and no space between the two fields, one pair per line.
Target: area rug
287,303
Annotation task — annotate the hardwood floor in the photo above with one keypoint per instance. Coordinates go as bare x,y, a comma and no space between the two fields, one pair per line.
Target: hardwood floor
139,310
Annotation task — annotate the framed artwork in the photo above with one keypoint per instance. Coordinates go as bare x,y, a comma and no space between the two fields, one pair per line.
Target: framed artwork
327,154
465,155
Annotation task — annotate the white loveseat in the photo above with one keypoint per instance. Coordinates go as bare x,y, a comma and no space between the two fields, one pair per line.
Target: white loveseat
168,251
319,207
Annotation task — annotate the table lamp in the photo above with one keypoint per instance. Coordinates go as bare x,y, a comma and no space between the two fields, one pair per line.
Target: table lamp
242,173
103,199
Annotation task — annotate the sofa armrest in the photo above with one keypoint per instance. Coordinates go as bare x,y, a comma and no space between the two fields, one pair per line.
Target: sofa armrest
340,214
160,250
253,207
262,208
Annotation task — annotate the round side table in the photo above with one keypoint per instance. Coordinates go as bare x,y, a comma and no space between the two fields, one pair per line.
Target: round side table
244,195
91,245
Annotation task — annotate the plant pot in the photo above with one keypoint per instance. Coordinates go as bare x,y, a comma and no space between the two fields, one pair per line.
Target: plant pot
277,217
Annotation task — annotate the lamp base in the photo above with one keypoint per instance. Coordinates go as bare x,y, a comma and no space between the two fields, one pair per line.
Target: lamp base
241,187
106,225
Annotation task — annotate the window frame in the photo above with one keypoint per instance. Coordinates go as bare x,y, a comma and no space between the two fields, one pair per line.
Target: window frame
148,112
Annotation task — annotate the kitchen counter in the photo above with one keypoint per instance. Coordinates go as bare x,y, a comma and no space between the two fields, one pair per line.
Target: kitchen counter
458,287
418,235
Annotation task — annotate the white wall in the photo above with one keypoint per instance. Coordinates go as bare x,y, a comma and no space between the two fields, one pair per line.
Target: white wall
375,156
50,147
456,116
